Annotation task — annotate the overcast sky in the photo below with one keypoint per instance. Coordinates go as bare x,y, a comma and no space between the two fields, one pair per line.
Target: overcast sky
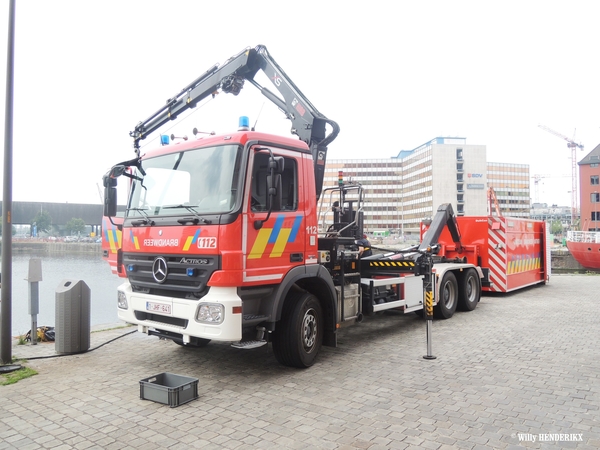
392,74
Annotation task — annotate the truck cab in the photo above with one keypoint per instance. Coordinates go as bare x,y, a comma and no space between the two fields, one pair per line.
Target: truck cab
208,222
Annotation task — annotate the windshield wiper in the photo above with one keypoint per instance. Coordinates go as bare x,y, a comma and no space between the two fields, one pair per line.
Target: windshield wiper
191,209
146,221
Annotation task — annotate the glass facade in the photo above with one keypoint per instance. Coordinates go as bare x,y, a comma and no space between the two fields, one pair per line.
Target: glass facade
401,192
511,183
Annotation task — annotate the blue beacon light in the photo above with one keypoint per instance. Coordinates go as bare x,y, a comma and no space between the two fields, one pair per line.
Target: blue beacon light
244,123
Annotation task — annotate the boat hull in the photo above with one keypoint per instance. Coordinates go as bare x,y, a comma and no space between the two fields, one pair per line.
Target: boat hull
585,253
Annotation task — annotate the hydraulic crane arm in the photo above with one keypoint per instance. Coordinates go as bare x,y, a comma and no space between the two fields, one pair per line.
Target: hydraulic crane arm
443,217
307,123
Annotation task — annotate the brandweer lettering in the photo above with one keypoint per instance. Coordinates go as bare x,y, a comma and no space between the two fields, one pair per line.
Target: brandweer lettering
161,242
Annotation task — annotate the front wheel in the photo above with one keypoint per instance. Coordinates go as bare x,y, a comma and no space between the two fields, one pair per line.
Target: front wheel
448,300
298,335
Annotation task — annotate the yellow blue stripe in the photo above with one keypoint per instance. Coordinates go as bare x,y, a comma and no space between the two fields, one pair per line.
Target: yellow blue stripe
278,236
191,240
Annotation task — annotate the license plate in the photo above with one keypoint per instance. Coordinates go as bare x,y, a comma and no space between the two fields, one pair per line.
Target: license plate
161,308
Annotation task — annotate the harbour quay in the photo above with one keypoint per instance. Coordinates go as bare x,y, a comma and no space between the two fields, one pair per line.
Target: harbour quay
520,371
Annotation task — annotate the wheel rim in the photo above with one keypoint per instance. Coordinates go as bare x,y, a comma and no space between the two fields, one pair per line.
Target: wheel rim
449,295
471,289
309,329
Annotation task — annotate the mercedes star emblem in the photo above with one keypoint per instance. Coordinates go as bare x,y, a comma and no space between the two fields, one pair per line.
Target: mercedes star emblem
159,269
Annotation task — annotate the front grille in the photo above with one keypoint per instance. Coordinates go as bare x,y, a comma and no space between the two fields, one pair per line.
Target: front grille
178,283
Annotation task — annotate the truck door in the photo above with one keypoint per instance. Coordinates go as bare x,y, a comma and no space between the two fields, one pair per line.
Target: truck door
273,246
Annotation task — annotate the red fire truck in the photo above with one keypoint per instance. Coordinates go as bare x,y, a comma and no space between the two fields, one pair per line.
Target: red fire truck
220,239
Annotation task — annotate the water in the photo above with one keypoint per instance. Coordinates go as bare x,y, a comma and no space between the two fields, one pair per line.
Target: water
90,268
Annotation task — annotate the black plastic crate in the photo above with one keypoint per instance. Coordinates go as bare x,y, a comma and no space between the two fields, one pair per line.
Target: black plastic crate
169,389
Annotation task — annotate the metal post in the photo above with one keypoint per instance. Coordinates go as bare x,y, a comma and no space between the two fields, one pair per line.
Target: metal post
34,301
33,277
428,288
6,295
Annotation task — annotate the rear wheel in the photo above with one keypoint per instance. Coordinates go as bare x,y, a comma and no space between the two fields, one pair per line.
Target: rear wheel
470,290
448,300
298,335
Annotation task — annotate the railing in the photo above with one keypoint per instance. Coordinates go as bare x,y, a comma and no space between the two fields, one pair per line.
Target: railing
584,236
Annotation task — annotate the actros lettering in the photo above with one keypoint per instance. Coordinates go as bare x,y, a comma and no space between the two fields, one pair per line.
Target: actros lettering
193,261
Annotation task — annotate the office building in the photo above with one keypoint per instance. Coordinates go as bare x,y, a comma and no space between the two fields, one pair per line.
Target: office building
511,186
400,192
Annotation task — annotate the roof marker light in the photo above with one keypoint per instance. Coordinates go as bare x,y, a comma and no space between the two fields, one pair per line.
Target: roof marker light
164,139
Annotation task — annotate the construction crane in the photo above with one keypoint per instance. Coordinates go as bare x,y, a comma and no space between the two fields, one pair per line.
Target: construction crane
573,146
536,183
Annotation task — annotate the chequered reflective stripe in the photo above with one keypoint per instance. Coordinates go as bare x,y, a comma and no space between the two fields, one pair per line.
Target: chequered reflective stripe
497,255
524,263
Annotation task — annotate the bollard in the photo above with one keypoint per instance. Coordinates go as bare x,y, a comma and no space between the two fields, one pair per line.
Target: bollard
33,277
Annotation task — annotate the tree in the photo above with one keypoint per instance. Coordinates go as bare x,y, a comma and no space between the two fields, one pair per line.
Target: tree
556,227
43,221
75,226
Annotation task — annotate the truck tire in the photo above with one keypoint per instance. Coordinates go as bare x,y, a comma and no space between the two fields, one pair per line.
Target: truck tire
448,300
469,290
298,335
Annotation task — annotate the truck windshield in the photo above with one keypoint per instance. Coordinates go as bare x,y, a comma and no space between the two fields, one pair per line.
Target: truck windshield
201,181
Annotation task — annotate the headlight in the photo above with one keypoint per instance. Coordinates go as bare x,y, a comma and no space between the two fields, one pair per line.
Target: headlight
121,300
211,313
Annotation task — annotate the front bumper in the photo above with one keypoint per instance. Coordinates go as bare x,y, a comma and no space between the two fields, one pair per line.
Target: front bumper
179,316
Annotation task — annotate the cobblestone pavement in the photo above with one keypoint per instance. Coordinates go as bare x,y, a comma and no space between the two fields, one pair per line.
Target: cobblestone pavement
522,370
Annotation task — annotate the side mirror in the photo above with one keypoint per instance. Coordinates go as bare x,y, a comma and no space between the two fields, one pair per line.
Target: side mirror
274,192
276,164
116,171
110,196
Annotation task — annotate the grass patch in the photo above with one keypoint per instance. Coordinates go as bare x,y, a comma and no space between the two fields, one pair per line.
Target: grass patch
17,375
